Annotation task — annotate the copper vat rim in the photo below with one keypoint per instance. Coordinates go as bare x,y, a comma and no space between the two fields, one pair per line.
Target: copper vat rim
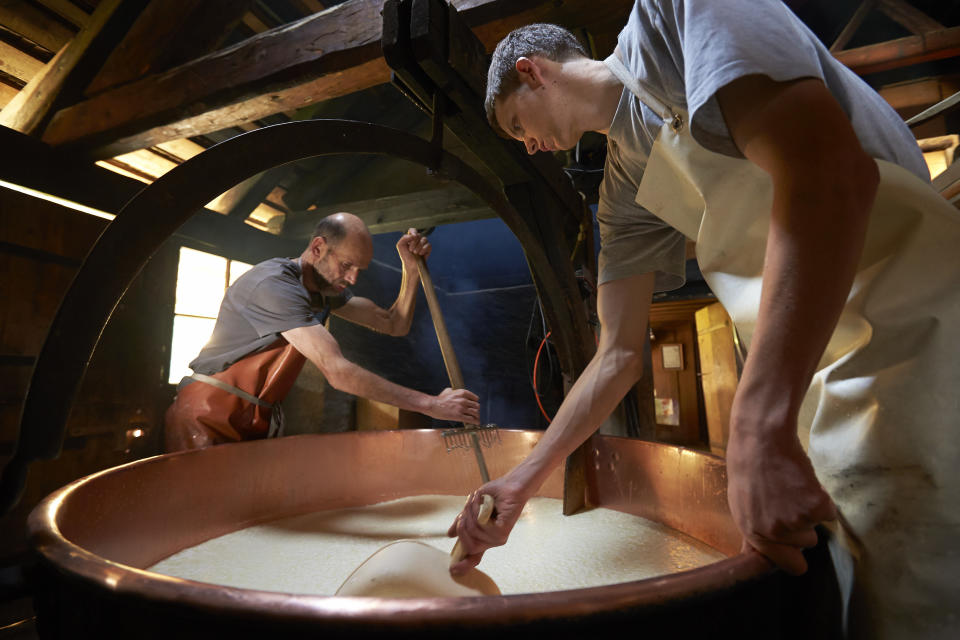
124,580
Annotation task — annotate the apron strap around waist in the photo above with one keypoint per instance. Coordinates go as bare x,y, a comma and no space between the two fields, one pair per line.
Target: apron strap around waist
220,384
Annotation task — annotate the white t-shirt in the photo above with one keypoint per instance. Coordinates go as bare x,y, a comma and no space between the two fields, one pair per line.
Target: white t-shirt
684,51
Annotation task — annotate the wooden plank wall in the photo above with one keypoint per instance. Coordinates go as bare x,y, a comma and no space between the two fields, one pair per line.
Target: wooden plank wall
41,248
674,323
678,385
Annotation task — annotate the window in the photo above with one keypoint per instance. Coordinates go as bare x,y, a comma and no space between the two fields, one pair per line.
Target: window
202,279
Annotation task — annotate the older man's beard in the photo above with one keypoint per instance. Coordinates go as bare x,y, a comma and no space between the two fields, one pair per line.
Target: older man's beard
314,280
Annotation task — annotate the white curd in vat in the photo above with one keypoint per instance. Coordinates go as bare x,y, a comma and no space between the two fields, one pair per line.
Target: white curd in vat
547,551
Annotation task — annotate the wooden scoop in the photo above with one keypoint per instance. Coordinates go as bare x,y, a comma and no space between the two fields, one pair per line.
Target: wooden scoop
413,569
486,509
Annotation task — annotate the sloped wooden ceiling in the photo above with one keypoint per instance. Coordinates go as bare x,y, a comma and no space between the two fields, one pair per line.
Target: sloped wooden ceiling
141,86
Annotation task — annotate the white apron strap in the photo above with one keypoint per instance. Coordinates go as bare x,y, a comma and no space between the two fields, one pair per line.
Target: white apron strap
654,103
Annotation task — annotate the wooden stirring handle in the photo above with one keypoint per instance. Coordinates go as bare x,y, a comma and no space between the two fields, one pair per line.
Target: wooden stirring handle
483,516
443,337
449,358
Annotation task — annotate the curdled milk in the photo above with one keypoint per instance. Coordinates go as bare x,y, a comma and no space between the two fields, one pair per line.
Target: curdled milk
547,551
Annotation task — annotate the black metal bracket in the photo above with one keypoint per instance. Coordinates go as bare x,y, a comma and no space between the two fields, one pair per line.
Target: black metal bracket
436,58
439,64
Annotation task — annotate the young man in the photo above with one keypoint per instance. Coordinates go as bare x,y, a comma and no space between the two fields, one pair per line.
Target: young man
272,320
728,123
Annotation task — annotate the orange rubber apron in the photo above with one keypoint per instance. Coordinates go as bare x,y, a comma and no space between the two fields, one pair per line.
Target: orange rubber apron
881,420
239,403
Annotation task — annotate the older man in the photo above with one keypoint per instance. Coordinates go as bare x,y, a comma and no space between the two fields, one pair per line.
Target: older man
730,124
272,320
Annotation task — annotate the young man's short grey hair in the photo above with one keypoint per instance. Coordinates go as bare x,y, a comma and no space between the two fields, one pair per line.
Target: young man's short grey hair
544,40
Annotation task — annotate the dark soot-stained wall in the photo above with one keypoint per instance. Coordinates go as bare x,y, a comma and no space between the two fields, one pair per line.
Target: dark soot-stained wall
487,298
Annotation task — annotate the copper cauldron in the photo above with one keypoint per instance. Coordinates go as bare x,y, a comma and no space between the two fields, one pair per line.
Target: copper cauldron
96,535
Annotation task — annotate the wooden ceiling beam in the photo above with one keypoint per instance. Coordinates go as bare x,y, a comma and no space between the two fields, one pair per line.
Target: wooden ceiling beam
254,22
903,52
920,93
35,25
182,149
325,55
18,64
7,93
28,162
332,53
420,210
947,183
68,11
861,12
168,34
309,6
909,17
28,110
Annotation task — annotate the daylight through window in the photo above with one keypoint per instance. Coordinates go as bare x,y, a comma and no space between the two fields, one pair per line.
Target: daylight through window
202,279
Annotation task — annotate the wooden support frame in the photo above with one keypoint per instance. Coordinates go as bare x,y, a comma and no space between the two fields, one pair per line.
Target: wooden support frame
35,25
861,12
434,53
167,34
68,11
934,45
911,18
920,93
325,55
18,64
72,66
421,210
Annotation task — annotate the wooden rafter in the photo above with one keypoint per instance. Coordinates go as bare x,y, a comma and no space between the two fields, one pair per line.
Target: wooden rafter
420,209
26,20
914,20
866,6
68,11
31,106
7,93
254,23
948,183
328,54
18,64
310,6
165,35
920,93
935,45
901,12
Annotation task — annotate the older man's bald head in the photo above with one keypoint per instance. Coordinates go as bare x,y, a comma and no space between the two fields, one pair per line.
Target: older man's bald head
337,227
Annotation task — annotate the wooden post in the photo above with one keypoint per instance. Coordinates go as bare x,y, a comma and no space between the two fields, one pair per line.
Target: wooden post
718,367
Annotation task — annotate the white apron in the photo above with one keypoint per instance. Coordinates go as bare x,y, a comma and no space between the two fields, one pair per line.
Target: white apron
881,420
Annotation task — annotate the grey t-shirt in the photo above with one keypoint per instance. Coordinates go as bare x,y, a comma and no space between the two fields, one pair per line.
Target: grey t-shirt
264,302
684,51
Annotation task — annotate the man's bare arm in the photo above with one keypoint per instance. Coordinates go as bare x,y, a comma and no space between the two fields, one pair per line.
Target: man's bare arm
623,307
321,348
396,320
824,186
